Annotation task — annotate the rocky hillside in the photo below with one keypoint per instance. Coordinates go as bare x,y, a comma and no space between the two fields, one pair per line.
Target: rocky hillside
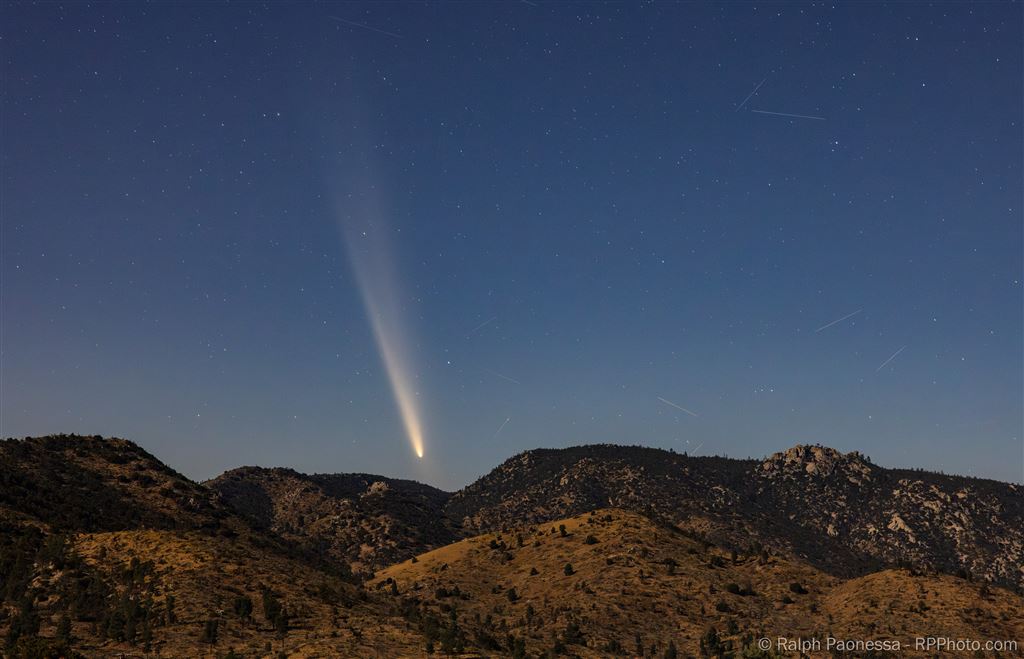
838,511
362,521
952,524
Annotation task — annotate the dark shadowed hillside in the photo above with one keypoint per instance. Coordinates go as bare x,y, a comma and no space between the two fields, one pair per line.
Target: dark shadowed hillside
105,550
96,484
361,520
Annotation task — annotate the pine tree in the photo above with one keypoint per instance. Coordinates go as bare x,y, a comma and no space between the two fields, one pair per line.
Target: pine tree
64,630
169,605
281,622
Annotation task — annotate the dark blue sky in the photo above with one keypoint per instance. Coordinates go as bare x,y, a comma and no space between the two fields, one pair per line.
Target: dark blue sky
573,217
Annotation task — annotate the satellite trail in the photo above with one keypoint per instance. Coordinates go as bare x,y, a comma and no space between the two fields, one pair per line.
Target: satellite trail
838,320
786,114
882,365
668,402
365,27
481,325
740,106
503,377
500,428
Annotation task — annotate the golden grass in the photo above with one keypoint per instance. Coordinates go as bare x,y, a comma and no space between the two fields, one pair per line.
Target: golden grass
622,586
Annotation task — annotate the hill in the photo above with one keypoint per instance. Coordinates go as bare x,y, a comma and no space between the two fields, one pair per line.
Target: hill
615,583
106,550
360,521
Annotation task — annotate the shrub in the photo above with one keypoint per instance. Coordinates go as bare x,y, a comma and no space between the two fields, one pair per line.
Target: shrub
710,643
613,647
746,591
573,635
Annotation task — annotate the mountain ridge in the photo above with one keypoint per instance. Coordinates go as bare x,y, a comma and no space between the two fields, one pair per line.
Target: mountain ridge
838,510
106,550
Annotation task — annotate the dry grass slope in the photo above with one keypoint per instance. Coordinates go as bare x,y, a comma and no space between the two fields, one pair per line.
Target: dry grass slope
327,617
635,586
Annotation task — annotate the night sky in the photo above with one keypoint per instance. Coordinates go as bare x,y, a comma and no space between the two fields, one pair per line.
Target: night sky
241,234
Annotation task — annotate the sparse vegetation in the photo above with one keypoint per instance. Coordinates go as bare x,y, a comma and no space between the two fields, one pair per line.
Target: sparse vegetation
189,572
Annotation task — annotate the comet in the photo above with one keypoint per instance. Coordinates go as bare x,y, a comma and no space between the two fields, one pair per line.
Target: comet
367,237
